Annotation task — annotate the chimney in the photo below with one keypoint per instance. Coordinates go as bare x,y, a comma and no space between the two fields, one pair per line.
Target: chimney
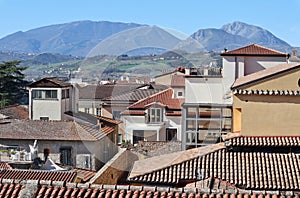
205,72
99,124
187,71
46,153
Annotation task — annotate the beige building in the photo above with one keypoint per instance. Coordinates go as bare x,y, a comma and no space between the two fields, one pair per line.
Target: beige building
49,98
267,103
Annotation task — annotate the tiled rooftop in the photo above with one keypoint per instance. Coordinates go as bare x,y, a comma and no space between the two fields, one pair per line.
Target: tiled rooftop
104,91
22,174
264,74
46,130
164,97
256,141
254,50
15,112
39,189
5,165
50,82
133,95
246,170
133,112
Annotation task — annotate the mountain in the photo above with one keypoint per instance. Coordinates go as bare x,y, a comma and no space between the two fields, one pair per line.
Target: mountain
238,34
136,39
75,38
89,38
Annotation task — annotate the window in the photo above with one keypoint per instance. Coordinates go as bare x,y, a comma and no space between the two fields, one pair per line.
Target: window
155,115
44,118
98,111
87,110
117,115
179,94
65,93
65,155
120,138
44,94
205,125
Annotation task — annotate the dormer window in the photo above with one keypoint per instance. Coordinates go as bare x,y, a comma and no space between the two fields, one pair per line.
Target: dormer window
155,115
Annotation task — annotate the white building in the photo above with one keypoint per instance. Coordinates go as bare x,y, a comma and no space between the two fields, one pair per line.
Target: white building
50,98
206,112
155,118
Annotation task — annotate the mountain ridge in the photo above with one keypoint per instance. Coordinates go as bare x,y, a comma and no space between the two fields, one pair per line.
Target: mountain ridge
78,38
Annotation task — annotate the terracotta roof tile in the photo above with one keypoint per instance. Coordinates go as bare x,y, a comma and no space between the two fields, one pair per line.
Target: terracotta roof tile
15,112
133,112
246,170
50,82
20,174
4,165
104,91
164,97
45,130
262,141
51,189
264,74
133,95
254,50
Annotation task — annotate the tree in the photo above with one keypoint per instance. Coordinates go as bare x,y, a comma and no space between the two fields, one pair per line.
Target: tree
12,83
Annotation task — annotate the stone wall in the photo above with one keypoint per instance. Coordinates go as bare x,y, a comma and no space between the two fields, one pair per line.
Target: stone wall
155,148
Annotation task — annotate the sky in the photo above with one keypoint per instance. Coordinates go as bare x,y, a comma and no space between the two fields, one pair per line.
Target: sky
279,17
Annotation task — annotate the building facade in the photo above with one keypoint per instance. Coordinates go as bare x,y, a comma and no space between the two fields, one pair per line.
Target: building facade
266,103
49,98
211,94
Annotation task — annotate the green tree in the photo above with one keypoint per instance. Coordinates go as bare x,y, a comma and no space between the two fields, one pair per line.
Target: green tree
12,83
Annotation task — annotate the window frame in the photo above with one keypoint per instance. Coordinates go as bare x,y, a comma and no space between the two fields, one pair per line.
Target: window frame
155,115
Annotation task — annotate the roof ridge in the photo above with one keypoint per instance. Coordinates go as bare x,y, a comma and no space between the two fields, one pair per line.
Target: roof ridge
254,45
81,126
153,95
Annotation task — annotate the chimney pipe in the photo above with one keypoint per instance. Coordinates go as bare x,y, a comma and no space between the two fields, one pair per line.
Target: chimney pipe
46,153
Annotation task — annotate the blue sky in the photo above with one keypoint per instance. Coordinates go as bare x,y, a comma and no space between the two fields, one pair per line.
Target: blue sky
279,17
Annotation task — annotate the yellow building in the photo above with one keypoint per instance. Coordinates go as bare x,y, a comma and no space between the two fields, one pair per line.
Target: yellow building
267,103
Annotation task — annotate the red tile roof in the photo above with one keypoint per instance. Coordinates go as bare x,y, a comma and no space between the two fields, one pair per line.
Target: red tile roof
4,165
250,170
46,130
254,50
89,123
265,74
41,189
133,112
164,97
265,141
15,112
133,95
20,174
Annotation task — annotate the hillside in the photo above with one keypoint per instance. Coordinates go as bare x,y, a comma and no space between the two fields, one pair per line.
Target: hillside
82,38
75,38
238,34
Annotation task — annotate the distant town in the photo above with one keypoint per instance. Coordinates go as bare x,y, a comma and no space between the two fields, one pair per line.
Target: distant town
213,124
